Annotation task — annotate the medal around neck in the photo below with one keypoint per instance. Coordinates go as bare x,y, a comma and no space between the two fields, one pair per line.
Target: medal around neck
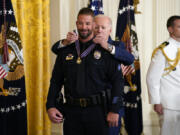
84,54
78,60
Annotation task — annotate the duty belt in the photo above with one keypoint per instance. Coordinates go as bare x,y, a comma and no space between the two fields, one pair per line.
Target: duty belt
84,102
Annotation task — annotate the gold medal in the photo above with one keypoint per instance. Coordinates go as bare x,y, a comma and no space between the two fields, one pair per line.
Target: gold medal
78,60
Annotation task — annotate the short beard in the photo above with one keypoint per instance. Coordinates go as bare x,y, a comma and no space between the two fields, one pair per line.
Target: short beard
85,36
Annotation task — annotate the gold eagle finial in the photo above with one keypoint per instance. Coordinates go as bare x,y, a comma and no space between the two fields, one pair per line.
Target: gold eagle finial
135,3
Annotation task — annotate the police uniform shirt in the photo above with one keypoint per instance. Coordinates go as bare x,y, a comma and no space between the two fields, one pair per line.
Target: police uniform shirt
164,89
89,77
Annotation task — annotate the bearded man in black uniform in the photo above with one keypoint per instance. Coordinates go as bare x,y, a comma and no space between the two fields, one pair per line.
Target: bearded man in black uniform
86,70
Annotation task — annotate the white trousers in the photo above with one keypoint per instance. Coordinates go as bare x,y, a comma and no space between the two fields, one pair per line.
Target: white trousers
170,122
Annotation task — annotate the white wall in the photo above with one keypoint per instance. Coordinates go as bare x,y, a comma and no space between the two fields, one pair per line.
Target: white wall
151,30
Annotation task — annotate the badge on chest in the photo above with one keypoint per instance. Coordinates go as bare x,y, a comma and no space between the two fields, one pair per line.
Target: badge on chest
69,56
97,55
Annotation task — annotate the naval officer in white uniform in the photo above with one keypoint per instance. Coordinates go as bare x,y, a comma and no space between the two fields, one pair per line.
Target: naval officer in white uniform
163,80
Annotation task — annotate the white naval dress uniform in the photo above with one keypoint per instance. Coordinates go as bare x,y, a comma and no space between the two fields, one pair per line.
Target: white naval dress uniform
165,89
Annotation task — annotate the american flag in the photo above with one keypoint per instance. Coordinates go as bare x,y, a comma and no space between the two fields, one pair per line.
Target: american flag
126,70
96,6
3,72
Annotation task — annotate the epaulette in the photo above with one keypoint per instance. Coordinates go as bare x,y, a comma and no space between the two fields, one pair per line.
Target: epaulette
172,63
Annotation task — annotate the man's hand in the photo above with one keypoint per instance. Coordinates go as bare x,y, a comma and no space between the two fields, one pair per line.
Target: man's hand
70,38
54,115
158,108
112,119
102,40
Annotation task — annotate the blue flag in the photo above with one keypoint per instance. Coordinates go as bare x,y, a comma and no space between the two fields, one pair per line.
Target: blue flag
13,119
126,32
96,6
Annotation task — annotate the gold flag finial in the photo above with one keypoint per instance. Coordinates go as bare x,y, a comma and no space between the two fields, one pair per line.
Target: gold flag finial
135,3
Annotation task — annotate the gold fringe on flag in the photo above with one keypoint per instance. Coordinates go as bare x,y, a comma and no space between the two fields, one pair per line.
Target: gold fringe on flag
123,129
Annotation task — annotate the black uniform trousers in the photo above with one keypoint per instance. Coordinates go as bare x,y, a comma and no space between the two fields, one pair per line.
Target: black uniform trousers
84,121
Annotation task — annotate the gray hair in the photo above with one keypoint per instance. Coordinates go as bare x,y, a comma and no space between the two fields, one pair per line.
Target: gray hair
104,16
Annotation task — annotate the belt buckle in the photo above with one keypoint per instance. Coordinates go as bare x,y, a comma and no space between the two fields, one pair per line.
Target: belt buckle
83,102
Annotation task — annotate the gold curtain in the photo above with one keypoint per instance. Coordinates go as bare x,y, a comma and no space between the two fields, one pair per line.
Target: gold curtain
32,18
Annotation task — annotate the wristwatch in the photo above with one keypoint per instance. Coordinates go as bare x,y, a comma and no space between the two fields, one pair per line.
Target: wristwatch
110,47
